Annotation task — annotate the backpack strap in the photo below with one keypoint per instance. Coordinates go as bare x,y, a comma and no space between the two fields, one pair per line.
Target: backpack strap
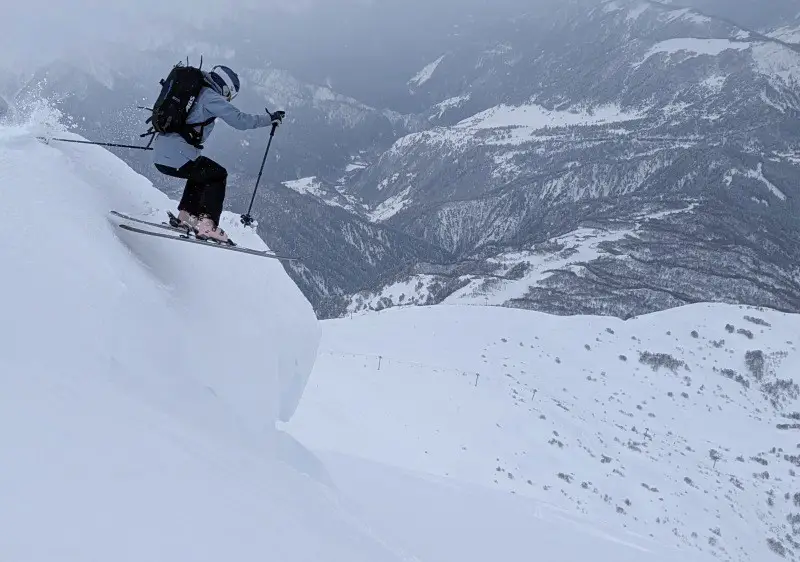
194,137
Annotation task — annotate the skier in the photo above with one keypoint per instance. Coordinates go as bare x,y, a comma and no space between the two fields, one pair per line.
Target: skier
203,197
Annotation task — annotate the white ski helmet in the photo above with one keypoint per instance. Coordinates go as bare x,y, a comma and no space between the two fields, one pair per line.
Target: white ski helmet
227,81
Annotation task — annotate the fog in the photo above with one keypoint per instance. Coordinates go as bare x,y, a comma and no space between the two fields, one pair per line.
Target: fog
341,42
35,31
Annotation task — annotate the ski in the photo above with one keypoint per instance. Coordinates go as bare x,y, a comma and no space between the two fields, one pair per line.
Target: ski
163,225
184,237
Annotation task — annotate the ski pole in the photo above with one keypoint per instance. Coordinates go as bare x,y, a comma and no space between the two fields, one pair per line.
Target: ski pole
96,143
247,219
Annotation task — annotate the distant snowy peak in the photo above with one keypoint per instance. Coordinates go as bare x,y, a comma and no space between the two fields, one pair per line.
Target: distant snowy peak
425,74
633,10
282,89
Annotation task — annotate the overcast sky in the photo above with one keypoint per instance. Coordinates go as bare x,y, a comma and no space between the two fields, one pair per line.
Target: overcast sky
33,30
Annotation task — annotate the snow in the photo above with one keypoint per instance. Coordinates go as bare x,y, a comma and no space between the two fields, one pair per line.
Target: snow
578,247
425,74
142,380
450,103
336,197
391,206
308,185
778,62
412,291
715,82
143,385
508,275
693,47
561,419
533,116
758,175
637,11
793,157
473,524
611,7
686,14
788,34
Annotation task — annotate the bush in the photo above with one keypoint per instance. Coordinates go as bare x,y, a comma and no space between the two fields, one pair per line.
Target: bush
734,376
758,321
777,547
658,360
744,332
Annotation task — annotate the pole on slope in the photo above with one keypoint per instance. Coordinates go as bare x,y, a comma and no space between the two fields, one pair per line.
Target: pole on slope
277,118
47,139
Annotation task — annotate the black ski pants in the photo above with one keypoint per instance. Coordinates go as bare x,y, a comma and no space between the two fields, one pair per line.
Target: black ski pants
205,186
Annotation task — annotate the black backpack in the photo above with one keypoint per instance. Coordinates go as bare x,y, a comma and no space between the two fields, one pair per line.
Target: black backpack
179,91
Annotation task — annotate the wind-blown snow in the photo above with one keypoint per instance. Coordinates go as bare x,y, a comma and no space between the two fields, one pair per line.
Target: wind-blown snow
610,420
425,74
142,379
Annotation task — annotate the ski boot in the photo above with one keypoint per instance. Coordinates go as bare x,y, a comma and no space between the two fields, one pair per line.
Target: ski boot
207,230
184,221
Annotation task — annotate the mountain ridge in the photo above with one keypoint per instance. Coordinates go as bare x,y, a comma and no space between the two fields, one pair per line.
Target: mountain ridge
520,124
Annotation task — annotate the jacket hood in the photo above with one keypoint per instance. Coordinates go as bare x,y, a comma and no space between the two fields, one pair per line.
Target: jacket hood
212,83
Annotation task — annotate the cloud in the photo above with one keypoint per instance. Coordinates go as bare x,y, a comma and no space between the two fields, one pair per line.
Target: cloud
34,31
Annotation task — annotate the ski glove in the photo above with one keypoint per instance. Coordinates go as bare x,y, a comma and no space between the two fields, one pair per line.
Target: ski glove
277,117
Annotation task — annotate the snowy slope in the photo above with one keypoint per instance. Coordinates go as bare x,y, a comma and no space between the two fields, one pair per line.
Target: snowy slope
443,519
611,420
425,74
142,379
